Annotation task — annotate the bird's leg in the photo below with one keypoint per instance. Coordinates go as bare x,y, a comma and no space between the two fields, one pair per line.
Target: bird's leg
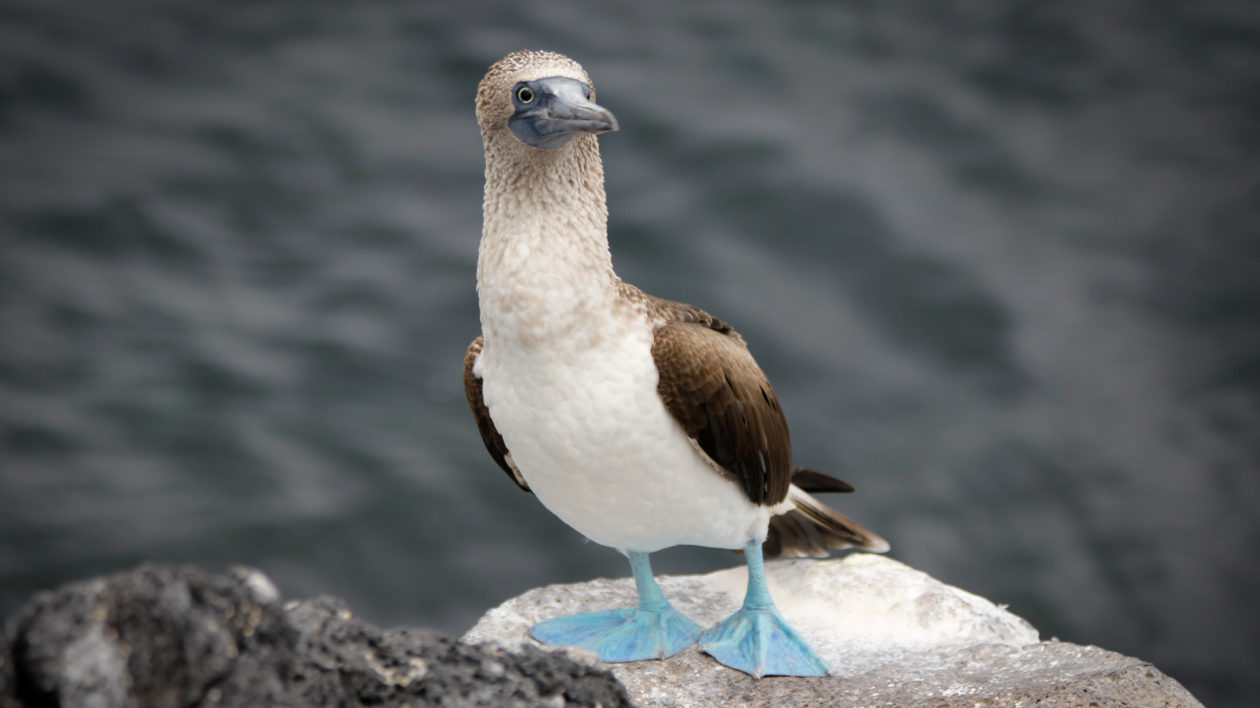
652,630
756,639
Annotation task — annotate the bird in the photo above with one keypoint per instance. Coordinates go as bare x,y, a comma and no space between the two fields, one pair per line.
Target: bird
641,422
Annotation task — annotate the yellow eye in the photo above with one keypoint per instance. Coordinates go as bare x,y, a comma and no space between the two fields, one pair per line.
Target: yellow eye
525,94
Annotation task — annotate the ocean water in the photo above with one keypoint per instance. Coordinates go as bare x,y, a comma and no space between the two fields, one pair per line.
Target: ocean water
1000,260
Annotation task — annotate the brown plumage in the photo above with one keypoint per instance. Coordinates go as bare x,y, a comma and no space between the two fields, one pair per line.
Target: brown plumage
713,388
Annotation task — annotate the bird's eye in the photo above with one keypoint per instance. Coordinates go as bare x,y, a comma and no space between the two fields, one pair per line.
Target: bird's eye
525,94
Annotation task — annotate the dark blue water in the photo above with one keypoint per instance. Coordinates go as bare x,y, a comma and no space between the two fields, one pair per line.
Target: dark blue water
1001,260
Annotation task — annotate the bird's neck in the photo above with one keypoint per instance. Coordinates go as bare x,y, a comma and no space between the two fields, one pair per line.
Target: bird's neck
544,271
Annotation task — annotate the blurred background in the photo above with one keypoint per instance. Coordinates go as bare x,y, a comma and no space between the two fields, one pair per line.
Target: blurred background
1001,261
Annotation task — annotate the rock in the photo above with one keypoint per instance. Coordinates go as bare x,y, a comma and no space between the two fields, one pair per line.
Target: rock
891,635
344,659
179,636
158,636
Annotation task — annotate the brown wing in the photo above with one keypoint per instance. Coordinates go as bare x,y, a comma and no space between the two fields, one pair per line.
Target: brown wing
713,388
489,435
711,385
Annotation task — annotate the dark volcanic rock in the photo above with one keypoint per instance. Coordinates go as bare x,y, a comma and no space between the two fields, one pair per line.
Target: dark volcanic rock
157,636
179,636
348,662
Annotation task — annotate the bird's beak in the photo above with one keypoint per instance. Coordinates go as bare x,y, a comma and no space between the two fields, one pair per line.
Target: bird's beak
559,110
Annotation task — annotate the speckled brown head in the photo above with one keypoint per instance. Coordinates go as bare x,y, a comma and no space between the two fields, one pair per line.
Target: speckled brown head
540,99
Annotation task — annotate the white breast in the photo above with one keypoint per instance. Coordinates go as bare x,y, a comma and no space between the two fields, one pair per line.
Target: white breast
592,438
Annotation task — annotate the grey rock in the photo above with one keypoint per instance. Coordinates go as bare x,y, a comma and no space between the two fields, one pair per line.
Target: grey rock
179,636
892,636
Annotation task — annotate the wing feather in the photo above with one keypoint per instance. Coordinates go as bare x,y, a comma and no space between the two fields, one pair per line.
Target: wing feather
712,386
489,434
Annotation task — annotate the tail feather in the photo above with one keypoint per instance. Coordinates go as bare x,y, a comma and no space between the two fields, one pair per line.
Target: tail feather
814,529
817,482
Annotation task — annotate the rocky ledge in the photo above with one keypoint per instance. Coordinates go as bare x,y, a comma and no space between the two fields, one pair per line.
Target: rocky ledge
891,635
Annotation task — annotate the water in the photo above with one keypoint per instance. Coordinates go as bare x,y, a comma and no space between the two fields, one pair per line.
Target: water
1001,263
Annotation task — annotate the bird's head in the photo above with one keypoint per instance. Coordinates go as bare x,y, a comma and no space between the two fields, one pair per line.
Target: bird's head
540,99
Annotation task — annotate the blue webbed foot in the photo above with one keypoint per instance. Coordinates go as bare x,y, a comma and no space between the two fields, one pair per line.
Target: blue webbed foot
760,642
622,635
653,630
756,639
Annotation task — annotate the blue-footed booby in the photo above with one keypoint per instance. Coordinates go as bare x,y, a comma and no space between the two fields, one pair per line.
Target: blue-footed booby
641,422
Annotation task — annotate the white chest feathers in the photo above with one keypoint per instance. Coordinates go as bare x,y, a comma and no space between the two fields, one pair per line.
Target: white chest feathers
583,423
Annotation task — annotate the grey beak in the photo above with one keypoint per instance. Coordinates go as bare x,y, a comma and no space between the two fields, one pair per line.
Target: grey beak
558,110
